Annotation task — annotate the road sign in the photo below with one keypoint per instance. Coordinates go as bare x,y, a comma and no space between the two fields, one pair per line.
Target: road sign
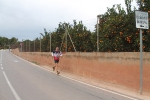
141,18
142,22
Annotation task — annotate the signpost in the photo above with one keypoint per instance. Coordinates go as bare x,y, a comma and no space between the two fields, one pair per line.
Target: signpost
142,22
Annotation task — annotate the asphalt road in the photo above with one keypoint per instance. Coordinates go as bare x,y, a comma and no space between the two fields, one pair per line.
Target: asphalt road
21,80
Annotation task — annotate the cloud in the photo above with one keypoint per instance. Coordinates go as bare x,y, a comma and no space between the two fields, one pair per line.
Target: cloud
25,19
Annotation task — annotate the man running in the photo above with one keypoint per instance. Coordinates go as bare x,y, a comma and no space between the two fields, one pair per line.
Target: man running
56,54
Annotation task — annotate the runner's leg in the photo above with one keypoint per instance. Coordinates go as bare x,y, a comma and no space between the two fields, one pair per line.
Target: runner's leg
57,69
54,67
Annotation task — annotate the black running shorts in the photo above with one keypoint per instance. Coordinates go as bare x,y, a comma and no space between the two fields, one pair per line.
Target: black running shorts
56,61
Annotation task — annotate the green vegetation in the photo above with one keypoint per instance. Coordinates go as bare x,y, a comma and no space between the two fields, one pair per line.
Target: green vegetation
6,43
117,33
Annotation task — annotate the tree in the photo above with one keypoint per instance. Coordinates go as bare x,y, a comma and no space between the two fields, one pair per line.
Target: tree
6,43
144,5
12,42
45,41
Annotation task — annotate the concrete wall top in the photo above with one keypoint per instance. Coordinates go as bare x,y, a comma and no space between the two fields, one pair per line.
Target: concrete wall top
115,55
146,55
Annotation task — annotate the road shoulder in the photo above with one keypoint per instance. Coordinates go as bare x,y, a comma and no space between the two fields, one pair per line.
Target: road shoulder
109,86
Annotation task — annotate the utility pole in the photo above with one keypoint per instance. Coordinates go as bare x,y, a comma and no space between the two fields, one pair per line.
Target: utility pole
40,43
50,44
98,20
29,45
71,41
26,45
34,45
66,35
22,46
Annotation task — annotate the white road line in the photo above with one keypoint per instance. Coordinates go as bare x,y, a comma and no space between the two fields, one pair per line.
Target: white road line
2,68
15,61
1,64
11,87
1,57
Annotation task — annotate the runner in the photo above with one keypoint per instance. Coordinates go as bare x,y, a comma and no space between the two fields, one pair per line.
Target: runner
56,54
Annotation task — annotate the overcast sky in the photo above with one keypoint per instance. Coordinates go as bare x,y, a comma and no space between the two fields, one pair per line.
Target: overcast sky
25,19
